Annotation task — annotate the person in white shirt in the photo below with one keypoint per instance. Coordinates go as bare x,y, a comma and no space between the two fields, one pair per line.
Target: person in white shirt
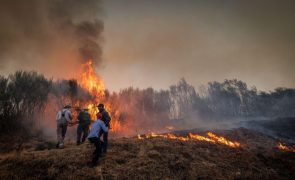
94,138
63,118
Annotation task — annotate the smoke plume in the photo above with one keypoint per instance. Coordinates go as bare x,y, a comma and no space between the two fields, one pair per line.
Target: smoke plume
49,35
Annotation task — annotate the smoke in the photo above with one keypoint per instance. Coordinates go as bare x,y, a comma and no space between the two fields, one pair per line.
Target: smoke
50,35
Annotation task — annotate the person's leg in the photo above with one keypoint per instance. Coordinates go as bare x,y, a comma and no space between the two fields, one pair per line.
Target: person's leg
97,152
105,142
102,146
64,131
85,132
59,134
79,133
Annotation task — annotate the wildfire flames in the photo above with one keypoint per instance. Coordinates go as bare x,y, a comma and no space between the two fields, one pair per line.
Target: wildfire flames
212,138
223,140
286,148
91,82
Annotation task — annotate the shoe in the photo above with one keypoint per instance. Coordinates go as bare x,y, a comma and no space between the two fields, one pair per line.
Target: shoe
61,146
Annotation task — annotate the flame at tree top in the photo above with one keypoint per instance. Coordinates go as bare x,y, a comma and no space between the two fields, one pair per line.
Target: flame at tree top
91,81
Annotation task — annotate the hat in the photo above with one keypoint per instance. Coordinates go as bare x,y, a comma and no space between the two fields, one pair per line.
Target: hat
100,105
67,107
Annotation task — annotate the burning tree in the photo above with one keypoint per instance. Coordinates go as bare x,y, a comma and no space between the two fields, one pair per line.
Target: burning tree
93,84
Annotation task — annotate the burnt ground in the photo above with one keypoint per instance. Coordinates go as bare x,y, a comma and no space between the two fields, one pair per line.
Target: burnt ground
282,128
157,158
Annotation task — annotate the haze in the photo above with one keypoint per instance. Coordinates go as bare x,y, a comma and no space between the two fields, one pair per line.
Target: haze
154,43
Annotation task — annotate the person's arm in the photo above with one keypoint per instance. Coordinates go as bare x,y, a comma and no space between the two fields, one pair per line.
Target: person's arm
79,117
58,115
106,118
70,115
69,119
103,126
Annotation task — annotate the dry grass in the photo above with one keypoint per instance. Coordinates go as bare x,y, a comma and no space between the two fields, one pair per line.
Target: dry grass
157,159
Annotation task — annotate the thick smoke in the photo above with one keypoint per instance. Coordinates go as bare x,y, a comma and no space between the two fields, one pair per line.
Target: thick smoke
48,35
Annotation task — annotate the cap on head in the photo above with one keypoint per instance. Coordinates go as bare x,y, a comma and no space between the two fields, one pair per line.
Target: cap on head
67,107
101,106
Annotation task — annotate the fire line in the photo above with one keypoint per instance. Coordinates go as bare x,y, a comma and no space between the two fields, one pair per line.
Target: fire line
212,138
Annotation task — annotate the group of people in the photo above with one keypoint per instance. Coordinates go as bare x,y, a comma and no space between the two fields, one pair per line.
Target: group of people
99,128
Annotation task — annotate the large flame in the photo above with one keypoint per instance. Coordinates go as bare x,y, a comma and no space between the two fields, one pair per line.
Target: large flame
212,138
90,81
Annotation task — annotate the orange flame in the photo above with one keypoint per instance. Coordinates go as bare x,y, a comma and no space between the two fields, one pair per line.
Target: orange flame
223,140
200,138
285,148
212,138
90,81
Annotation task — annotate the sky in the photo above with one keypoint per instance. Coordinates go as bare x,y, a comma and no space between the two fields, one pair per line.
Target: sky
152,43
155,43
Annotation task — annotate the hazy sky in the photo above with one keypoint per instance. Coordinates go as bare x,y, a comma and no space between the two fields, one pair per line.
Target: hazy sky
153,43
156,42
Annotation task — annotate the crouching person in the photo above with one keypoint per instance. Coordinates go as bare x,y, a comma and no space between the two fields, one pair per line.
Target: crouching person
63,118
94,138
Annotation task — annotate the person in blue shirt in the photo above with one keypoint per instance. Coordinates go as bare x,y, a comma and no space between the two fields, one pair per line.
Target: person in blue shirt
94,138
106,119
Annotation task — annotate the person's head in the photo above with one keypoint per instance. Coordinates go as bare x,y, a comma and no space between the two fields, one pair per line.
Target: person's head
67,107
100,107
98,115
78,109
85,109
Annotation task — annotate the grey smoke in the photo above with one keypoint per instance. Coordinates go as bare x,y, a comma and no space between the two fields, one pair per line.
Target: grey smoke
47,34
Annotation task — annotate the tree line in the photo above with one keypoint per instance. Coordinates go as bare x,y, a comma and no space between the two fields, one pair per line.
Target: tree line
230,99
26,96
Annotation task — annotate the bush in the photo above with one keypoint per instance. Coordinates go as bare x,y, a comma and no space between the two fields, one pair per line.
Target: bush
21,94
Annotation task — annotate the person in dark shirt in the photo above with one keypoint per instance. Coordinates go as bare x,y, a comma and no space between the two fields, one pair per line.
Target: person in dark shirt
83,127
106,119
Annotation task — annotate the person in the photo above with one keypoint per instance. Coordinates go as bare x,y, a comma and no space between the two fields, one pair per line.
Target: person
83,125
106,119
94,138
63,118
